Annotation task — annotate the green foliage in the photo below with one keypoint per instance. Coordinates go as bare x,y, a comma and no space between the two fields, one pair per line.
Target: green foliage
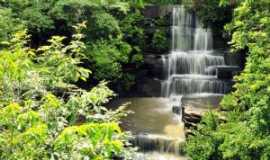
94,141
160,41
103,25
132,32
252,91
43,115
40,15
210,12
73,11
28,134
8,24
245,134
57,67
14,67
231,140
206,150
142,3
32,13
111,22
23,134
107,57
112,33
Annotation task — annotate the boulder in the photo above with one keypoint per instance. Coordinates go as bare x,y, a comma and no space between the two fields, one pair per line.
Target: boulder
193,115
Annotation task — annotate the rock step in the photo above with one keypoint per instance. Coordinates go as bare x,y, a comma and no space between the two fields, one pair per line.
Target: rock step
158,156
196,77
160,143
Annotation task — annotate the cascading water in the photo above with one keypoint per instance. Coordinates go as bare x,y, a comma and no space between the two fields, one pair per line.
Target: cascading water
190,69
189,66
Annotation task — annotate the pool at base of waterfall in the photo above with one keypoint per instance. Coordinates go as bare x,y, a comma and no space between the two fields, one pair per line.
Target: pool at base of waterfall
158,156
158,132
151,116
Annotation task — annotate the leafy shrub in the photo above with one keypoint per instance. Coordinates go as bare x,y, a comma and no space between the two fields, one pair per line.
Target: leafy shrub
130,27
107,57
8,24
38,122
103,25
160,40
57,67
94,141
28,134
31,13
73,11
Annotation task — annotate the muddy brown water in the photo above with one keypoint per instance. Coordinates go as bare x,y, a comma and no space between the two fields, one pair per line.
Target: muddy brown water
159,133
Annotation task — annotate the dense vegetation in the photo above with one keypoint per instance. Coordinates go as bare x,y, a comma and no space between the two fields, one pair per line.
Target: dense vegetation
44,115
245,134
49,51
110,24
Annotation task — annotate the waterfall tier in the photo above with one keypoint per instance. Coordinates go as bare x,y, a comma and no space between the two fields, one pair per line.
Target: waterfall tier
190,63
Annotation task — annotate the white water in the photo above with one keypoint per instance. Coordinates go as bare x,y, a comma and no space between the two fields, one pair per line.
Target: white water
189,67
158,156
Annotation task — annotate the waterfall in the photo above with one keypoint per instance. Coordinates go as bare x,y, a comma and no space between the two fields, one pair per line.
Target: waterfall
189,68
190,71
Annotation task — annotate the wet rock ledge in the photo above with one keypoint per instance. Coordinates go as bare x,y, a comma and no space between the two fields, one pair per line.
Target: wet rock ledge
193,110
191,117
